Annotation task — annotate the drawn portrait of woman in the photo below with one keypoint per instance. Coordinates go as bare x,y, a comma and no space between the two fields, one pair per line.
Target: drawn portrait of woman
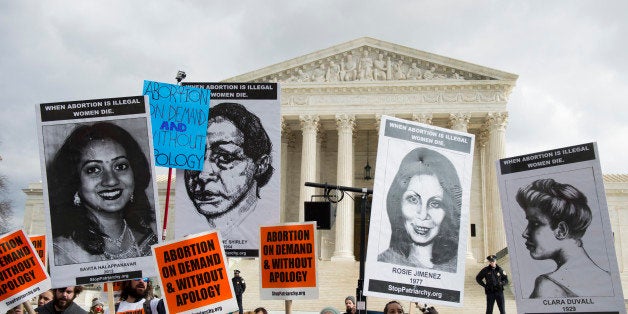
424,208
238,163
97,185
558,216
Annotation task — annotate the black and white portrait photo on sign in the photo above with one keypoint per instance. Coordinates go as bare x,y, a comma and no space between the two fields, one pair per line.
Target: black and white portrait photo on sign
423,206
238,188
100,192
558,230
419,214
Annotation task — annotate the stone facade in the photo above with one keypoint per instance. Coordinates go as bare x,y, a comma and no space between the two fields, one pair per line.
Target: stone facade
333,98
332,101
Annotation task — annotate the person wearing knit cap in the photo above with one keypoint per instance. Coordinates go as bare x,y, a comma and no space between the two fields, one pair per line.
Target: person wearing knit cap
330,310
97,307
350,305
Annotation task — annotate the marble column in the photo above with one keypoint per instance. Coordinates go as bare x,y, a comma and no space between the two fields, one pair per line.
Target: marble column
482,141
321,141
425,118
309,127
460,122
496,127
378,122
285,134
344,210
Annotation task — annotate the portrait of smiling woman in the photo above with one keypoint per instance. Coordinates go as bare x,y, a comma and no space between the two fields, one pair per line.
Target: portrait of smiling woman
423,206
97,184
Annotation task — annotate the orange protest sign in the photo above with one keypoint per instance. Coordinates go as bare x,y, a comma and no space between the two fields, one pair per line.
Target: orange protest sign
288,260
39,242
193,274
117,286
22,275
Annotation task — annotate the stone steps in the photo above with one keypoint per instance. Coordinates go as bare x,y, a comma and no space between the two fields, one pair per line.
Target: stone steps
338,279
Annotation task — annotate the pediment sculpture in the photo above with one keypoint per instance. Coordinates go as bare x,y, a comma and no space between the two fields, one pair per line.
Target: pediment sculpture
366,64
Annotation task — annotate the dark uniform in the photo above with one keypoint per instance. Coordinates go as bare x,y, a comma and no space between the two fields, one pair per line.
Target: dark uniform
493,279
238,287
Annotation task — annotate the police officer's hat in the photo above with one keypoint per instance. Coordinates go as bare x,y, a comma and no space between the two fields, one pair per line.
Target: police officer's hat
236,271
491,258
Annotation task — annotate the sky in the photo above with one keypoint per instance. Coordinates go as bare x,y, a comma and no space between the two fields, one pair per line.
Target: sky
569,55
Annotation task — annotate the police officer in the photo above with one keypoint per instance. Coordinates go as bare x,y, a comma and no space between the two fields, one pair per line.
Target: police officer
493,279
238,286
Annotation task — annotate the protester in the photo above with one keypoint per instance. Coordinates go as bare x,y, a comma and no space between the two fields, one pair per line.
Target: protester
45,297
330,310
97,307
261,310
393,307
350,305
238,286
19,309
493,279
136,293
63,302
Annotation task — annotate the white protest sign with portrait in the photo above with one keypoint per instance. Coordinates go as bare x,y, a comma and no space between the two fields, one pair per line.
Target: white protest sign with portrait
238,189
559,234
99,188
419,214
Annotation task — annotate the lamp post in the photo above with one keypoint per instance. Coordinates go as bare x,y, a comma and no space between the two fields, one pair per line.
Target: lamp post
365,192
367,168
180,76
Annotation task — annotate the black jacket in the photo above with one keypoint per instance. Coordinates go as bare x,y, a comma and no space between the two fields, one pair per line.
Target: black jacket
49,308
238,285
492,279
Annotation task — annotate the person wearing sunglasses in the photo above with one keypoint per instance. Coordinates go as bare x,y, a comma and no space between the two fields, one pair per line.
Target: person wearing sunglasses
138,294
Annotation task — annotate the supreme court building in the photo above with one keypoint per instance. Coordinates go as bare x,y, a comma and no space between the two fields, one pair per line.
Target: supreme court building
331,104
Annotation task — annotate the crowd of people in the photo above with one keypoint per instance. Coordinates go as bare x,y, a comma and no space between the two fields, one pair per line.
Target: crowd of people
137,294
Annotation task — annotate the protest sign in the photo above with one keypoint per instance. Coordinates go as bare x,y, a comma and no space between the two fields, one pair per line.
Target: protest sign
558,230
116,285
179,123
22,274
39,243
193,275
288,262
420,213
97,161
238,190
